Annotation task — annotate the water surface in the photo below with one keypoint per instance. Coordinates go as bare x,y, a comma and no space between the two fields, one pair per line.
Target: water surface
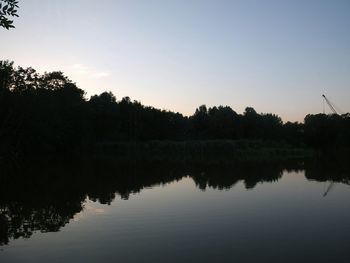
174,213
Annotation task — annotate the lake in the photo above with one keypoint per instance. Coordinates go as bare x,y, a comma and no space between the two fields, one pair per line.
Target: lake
102,211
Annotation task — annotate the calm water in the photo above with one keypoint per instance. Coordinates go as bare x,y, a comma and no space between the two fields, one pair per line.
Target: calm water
108,212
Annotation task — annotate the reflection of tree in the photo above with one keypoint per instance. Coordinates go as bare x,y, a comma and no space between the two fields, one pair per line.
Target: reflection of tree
329,169
226,176
21,220
45,195
39,197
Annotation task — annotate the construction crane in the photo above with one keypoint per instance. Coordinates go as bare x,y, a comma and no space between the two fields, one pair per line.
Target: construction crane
330,105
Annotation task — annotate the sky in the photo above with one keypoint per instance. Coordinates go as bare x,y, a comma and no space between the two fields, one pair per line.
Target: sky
275,56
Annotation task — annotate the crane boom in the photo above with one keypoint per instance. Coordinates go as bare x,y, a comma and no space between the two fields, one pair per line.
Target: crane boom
330,105
329,188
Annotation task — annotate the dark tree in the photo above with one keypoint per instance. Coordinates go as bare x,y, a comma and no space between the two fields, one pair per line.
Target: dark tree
48,114
327,131
8,10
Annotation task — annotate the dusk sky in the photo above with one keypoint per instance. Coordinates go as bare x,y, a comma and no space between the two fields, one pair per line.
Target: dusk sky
276,56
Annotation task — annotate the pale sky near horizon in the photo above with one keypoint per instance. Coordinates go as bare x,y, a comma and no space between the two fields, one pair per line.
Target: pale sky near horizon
276,56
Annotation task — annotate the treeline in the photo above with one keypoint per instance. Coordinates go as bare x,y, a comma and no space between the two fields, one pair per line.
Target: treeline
48,113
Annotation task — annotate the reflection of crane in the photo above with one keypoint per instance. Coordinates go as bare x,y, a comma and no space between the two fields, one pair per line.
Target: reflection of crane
331,106
329,188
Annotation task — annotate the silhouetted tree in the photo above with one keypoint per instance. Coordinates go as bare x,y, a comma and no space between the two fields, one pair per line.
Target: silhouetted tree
39,112
223,123
327,131
293,132
8,9
48,113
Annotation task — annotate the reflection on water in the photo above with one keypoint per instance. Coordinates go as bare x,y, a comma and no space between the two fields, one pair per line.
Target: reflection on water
181,214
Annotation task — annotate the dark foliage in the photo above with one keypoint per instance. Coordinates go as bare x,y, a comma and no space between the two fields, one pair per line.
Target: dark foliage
327,131
47,113
8,9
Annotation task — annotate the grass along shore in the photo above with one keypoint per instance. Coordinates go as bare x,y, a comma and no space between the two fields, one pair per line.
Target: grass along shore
208,150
